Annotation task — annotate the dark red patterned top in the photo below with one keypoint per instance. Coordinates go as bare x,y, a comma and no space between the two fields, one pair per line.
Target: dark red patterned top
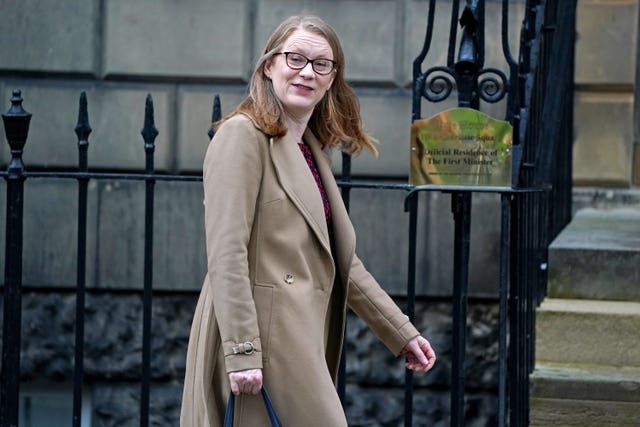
306,152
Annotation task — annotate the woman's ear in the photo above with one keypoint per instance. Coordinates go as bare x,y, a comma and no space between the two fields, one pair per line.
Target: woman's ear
267,68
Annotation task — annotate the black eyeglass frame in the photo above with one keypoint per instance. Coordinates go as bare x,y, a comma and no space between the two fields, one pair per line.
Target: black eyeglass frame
312,61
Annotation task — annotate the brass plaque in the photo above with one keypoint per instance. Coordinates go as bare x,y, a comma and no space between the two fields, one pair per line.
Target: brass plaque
461,147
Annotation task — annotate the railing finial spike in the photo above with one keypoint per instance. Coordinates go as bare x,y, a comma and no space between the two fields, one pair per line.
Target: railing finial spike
16,108
16,128
149,131
16,97
468,53
83,129
216,115
217,112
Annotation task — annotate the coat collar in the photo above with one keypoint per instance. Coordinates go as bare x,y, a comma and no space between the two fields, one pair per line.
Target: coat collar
299,184
345,237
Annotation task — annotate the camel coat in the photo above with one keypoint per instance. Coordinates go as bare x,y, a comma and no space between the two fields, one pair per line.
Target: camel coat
277,287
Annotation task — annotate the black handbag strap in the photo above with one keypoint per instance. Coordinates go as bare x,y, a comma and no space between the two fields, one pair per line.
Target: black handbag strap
271,412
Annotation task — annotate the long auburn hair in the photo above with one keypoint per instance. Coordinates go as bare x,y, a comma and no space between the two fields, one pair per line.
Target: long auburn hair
335,121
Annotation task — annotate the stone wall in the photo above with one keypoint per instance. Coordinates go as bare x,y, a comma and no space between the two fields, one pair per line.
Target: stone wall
606,85
375,378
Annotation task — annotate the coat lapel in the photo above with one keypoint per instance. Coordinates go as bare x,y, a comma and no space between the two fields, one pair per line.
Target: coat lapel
344,234
298,182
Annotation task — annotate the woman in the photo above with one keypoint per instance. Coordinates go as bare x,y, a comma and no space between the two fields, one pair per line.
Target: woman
280,246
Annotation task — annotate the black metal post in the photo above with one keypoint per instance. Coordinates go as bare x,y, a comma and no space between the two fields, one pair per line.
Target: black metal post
411,204
216,115
503,295
461,209
527,291
83,129
149,134
346,177
470,59
470,55
16,127
419,79
515,310
345,191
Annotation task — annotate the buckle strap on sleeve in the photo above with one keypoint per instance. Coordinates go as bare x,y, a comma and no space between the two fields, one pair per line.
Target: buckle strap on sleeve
245,348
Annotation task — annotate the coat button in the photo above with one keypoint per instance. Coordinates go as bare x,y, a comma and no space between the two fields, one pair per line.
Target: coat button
288,278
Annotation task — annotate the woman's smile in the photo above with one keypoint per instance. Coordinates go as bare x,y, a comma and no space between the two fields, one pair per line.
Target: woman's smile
304,89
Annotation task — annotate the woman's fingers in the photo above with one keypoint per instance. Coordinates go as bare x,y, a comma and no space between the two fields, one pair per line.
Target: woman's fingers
246,382
420,355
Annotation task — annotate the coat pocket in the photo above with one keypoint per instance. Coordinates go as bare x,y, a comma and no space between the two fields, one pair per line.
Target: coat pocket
263,297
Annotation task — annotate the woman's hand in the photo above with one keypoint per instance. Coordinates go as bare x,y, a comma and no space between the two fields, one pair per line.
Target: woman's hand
420,355
248,381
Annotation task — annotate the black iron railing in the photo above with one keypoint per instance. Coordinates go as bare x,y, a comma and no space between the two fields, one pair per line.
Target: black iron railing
539,104
16,122
539,91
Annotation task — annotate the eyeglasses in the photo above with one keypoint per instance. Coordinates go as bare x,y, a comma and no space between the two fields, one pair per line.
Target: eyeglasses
297,61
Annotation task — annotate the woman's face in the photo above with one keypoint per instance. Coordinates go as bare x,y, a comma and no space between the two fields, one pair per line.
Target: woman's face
300,90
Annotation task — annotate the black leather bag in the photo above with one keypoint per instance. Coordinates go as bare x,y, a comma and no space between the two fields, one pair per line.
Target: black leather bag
273,417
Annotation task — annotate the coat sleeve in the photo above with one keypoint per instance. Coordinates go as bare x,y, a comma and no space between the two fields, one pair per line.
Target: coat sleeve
232,174
373,305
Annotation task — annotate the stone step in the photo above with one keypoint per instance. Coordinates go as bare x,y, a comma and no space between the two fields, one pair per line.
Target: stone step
583,395
588,332
597,256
